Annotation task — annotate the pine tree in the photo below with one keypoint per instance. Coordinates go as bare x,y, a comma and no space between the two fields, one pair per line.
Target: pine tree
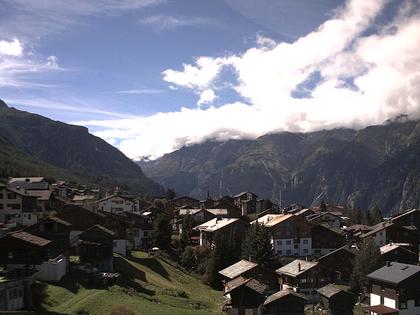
161,232
187,230
366,218
323,206
367,260
376,216
257,245
355,216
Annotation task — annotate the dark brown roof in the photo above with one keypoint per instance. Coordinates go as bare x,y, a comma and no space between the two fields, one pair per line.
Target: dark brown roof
253,284
30,238
281,294
381,309
59,221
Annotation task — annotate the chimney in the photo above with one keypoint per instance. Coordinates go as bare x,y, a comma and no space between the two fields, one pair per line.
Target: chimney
299,267
388,263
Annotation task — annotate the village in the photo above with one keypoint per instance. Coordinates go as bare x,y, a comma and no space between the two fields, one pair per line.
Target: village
319,260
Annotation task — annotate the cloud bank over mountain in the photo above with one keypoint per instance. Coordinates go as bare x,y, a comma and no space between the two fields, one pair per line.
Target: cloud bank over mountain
352,71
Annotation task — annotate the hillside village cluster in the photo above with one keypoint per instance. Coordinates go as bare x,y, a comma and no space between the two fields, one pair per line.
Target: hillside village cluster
43,224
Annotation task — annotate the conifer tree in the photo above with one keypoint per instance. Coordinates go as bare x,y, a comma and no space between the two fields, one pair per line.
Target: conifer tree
187,230
368,259
376,216
161,232
257,245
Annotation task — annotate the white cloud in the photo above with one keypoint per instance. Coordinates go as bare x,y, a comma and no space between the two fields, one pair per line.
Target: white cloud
166,22
12,48
206,97
364,79
17,67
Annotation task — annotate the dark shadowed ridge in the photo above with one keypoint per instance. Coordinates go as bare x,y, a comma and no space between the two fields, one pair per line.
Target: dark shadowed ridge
375,165
66,150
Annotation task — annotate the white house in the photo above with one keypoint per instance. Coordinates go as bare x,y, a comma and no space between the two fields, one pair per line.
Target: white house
117,204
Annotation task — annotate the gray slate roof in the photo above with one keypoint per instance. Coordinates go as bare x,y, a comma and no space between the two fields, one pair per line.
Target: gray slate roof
395,273
237,269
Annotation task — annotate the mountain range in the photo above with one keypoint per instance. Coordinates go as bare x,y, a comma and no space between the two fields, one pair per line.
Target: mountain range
31,145
377,165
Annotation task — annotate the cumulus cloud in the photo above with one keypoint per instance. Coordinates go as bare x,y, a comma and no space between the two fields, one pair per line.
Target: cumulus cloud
16,66
206,97
351,77
12,48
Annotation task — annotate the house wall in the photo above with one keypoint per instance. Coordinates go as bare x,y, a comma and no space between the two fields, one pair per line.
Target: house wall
120,247
8,201
52,270
291,247
29,218
11,295
116,205
411,309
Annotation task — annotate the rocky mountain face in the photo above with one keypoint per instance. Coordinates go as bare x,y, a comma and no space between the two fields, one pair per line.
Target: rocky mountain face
376,165
32,144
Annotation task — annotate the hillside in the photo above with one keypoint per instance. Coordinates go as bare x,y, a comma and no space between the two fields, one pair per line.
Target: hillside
147,286
375,165
35,145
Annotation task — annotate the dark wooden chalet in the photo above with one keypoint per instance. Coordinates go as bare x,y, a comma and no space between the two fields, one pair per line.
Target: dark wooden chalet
400,252
95,246
245,296
54,229
326,239
337,266
23,248
285,302
336,301
249,269
303,277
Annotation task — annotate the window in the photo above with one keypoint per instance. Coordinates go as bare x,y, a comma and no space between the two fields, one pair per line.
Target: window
305,250
145,234
305,242
288,242
303,280
279,242
296,246
288,252
403,304
115,243
279,252
11,196
14,206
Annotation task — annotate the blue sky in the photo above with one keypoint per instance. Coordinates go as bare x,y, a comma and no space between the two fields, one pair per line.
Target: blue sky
150,76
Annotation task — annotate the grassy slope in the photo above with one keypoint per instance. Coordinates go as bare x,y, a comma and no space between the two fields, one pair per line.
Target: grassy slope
160,289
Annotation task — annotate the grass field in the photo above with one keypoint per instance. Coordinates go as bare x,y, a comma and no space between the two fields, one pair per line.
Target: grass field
147,286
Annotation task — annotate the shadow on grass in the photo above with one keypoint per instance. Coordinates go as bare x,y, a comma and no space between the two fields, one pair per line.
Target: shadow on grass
129,274
152,264
39,296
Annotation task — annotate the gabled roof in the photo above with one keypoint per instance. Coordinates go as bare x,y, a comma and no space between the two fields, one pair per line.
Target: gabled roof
296,267
30,238
100,227
394,273
40,194
392,246
243,193
57,220
400,215
377,228
270,220
117,196
216,224
330,290
281,294
237,269
314,216
253,284
27,179
346,248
